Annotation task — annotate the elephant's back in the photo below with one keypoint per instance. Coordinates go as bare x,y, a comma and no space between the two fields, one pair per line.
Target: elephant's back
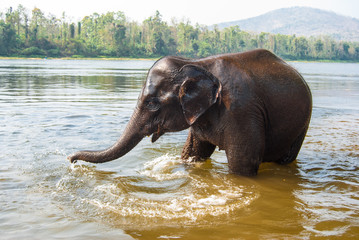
277,84
260,74
260,84
286,101
281,95
283,91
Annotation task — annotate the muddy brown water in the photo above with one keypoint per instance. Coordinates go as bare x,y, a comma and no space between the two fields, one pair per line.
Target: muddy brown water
51,108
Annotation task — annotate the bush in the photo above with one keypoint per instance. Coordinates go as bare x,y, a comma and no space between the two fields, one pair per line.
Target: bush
77,56
33,51
54,52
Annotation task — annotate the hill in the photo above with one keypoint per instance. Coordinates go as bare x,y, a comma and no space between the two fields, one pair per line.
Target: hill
302,21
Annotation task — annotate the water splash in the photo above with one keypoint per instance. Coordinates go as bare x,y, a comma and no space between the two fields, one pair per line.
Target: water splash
164,168
164,191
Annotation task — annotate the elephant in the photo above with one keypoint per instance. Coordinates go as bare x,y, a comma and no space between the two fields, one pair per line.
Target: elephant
253,105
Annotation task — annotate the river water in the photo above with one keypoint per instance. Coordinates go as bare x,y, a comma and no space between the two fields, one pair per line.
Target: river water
52,108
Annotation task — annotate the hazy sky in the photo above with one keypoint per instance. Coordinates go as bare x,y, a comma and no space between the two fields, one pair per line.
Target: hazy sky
197,11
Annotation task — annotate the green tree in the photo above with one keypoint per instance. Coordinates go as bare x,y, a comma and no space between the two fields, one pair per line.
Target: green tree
357,52
301,47
204,49
319,45
120,39
111,34
156,34
72,30
263,39
7,38
37,25
79,28
346,48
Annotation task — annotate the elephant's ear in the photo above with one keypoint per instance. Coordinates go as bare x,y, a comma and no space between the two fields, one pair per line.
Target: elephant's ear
199,91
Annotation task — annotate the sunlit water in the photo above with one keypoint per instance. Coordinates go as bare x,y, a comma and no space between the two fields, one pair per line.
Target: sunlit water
52,108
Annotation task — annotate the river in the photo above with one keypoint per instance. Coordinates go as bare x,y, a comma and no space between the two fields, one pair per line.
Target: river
52,108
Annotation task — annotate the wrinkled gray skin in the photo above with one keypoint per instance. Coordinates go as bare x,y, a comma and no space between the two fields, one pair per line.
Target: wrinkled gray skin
252,105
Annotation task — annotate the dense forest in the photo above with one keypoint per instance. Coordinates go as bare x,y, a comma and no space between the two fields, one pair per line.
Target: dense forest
112,35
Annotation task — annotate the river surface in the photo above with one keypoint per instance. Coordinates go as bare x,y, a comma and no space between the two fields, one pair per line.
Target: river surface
52,108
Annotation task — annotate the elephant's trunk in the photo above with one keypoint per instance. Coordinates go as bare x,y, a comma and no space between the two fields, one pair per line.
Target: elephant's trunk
131,136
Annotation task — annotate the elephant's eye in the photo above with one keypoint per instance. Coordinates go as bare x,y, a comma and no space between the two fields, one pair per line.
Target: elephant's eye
153,104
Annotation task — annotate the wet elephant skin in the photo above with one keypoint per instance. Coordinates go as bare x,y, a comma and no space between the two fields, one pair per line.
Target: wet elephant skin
253,105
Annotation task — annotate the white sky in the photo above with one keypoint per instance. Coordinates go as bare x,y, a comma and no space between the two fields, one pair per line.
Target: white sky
197,11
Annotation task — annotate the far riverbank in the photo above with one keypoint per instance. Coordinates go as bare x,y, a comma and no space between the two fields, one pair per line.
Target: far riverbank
152,59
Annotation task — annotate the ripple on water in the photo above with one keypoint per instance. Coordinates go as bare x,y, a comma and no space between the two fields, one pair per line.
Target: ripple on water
329,186
163,192
77,116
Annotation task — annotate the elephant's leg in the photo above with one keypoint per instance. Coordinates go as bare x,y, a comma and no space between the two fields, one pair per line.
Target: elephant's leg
294,149
245,151
195,149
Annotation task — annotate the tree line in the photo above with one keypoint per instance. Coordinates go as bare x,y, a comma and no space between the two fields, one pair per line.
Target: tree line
113,35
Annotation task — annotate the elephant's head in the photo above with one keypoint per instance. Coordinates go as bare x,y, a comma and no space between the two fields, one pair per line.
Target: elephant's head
174,96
